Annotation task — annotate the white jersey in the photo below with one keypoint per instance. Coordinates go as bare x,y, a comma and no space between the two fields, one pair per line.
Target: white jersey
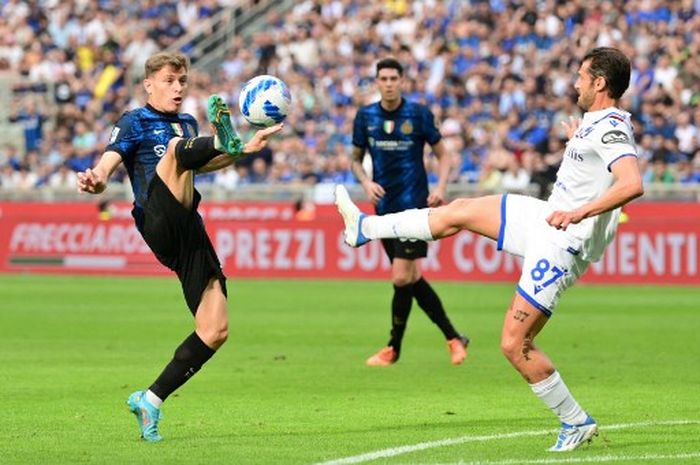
584,175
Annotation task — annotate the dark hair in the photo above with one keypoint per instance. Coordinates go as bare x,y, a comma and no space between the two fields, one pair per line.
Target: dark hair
611,64
391,63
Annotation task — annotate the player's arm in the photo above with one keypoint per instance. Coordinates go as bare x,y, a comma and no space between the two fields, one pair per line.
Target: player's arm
373,190
257,143
626,187
94,180
437,196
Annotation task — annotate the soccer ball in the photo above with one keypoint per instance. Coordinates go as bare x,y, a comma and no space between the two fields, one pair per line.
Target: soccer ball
264,100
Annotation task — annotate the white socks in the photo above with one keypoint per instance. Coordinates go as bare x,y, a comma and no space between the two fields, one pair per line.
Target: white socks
409,224
153,399
556,396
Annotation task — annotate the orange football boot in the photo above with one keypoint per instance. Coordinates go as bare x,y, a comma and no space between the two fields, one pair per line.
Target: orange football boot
458,349
383,358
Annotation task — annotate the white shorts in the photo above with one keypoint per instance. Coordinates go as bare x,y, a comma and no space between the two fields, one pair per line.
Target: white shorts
552,260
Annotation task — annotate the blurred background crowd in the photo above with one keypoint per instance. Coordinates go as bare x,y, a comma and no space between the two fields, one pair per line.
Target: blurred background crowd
497,74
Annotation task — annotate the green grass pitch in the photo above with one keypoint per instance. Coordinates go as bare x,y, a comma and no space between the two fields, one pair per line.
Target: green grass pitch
290,386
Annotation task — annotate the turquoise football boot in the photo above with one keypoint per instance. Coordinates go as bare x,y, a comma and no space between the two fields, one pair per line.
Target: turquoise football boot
147,416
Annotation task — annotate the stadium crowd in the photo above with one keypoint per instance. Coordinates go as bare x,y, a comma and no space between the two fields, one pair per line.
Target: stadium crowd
497,74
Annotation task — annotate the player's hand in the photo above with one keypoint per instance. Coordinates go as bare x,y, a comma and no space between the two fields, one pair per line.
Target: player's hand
437,197
562,220
571,126
374,191
91,181
259,140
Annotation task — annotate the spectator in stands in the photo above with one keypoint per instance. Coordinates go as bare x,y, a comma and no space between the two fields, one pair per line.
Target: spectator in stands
26,113
482,64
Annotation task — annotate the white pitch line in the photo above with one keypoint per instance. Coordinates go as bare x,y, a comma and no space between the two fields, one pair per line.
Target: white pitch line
396,451
598,459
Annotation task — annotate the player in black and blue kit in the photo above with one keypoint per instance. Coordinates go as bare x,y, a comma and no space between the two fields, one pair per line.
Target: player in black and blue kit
161,152
395,131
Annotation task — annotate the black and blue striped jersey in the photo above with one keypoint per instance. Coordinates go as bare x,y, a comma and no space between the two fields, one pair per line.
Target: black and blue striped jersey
141,138
395,140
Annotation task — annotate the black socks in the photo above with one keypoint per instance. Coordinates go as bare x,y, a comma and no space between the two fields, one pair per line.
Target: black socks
432,306
400,309
195,152
188,359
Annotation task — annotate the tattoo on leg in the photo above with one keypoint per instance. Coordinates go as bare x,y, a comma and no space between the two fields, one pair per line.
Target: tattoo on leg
520,315
527,345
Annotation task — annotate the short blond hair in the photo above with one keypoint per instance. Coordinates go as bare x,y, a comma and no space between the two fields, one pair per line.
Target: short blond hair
160,60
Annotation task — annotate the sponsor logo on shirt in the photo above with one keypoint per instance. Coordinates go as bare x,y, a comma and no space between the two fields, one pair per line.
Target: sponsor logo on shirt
574,154
159,150
614,137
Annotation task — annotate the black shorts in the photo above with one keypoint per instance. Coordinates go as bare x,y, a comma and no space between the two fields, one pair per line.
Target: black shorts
179,241
410,250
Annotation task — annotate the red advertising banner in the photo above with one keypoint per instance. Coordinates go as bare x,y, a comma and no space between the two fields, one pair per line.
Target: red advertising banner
658,244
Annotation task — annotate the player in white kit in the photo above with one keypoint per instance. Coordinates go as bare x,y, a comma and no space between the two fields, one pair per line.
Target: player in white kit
557,238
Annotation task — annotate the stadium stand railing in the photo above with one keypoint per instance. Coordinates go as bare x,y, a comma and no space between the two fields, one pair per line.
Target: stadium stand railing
8,131
210,41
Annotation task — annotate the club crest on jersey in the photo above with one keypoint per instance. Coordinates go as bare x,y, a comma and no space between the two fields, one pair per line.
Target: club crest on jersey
614,137
177,127
407,127
389,126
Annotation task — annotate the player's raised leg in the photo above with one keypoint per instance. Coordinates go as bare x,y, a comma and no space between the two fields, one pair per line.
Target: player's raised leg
185,155
481,215
522,323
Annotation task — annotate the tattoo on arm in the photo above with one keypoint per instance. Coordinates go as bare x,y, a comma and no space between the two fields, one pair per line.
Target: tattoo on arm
520,315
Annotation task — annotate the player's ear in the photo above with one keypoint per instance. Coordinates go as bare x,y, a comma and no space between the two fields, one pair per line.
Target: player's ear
600,83
148,86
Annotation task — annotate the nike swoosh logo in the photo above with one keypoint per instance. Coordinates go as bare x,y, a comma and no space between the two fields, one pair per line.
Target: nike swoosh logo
158,131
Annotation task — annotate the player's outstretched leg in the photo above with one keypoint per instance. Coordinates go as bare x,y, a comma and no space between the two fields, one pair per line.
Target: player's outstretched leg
361,228
225,139
572,436
352,217
147,416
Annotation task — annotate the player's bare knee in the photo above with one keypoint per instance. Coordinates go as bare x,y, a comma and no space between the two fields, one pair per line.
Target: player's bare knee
445,220
214,335
167,165
172,143
401,281
169,155
512,348
459,212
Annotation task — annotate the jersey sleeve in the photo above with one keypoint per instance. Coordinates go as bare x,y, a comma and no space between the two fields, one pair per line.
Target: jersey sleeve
359,130
432,134
125,136
614,142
